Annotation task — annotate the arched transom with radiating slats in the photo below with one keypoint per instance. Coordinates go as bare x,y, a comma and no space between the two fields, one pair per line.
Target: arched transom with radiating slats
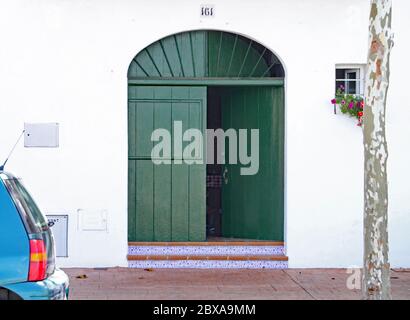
205,54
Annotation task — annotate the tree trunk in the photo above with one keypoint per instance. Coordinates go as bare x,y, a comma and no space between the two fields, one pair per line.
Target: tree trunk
376,272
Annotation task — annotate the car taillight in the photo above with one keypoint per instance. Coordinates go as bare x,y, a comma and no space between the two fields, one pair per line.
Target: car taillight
38,261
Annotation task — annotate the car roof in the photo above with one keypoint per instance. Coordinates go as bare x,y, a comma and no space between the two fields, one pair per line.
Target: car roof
6,175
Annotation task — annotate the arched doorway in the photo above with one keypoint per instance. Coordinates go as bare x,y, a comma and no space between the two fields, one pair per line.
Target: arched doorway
205,80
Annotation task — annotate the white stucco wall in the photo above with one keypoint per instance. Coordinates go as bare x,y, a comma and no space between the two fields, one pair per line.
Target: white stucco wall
66,62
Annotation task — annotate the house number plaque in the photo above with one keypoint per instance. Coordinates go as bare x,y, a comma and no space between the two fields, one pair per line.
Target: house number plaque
207,11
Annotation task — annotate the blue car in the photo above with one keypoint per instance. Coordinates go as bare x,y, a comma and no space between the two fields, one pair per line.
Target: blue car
27,254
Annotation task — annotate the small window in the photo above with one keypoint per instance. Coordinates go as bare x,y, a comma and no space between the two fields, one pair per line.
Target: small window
350,79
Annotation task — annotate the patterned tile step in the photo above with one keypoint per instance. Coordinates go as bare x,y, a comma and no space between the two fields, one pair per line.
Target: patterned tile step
208,243
203,257
206,250
208,264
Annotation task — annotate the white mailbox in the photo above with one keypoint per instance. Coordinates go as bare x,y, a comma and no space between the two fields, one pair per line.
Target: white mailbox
59,227
44,135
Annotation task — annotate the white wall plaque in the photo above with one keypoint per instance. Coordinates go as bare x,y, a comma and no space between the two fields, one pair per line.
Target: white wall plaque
59,227
207,11
92,220
44,135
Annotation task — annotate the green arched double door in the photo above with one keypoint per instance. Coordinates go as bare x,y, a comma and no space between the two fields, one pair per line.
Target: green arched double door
179,79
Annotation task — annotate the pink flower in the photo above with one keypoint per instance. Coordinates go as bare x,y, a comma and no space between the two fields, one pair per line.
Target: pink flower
342,87
351,105
333,101
343,102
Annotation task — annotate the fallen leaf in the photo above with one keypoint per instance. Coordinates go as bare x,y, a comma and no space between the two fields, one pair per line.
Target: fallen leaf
149,269
82,276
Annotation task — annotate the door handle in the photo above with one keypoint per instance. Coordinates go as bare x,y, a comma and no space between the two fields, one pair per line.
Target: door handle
224,175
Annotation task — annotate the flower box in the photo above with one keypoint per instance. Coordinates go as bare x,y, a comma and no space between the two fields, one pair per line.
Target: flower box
350,104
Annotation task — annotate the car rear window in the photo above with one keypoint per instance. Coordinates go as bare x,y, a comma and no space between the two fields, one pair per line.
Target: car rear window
32,217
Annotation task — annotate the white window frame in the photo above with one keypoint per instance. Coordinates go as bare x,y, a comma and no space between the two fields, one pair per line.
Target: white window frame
360,70
356,77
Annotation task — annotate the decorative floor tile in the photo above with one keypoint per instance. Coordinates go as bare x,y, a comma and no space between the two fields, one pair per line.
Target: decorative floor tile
206,250
209,264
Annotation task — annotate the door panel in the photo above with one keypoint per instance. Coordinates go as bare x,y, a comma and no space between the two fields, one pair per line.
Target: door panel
252,206
144,199
166,202
163,215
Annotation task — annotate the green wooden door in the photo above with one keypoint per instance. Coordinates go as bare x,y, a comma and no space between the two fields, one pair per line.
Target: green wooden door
253,205
166,202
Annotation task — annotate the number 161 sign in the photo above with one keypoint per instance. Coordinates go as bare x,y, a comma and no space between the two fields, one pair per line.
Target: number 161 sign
207,11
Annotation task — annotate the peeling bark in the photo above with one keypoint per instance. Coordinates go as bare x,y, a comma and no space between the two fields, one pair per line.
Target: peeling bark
376,271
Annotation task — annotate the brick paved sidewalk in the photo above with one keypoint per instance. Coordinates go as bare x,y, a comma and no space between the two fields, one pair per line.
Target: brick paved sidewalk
124,283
